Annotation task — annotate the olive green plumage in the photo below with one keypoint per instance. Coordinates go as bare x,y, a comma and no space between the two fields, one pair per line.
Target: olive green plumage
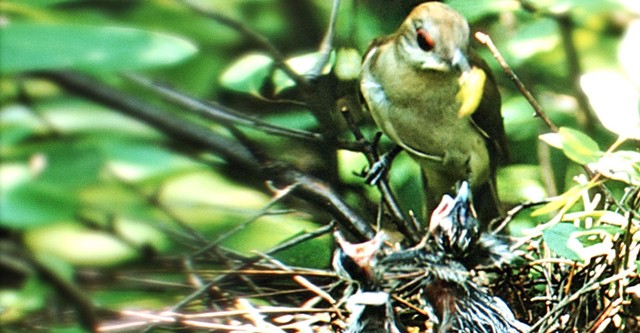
438,101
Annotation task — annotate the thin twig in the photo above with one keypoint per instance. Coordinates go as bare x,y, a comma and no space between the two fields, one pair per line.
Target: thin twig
320,193
327,43
154,201
253,36
190,133
302,281
512,213
486,40
407,228
216,112
302,238
242,225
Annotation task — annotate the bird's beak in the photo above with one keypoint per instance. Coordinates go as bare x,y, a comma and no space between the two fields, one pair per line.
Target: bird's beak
447,204
463,198
361,254
460,60
464,192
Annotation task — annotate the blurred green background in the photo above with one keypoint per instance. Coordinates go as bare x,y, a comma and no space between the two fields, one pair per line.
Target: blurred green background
104,200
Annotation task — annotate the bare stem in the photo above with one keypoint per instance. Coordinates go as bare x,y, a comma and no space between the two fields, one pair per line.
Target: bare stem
486,40
253,36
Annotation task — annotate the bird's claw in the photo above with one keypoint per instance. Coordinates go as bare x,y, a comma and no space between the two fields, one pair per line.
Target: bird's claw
377,170
381,166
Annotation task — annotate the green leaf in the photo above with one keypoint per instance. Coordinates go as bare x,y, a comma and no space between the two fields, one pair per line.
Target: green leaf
314,253
294,119
45,192
69,166
248,73
558,236
536,37
33,204
72,116
136,161
79,245
43,3
37,46
579,147
579,244
623,166
567,198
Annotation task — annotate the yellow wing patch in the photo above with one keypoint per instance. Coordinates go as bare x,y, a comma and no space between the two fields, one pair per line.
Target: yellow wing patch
471,89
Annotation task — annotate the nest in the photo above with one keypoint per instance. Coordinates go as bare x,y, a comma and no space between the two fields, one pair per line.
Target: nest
546,293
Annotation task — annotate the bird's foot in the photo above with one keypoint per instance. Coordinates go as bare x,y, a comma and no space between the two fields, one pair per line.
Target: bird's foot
381,166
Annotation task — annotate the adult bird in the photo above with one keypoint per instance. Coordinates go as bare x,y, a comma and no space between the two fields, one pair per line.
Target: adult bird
437,100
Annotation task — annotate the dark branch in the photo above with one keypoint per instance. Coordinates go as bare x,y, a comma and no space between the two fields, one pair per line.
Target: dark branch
486,40
171,125
403,224
319,193
308,188
216,112
260,40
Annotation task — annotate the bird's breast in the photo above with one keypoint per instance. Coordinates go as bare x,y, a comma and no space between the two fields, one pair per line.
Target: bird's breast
419,110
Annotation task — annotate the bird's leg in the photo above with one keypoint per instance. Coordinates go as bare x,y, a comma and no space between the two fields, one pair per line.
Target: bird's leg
381,166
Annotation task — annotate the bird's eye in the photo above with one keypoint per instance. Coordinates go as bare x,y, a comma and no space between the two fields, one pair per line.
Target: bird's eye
425,42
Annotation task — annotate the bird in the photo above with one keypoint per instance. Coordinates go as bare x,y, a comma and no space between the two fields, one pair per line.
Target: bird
370,307
454,245
356,262
436,99
456,233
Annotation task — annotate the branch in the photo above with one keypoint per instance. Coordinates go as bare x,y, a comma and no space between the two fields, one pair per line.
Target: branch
408,229
326,45
319,193
27,263
177,128
486,40
308,187
216,112
260,40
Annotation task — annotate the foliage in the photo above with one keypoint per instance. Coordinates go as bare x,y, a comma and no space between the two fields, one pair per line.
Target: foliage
102,204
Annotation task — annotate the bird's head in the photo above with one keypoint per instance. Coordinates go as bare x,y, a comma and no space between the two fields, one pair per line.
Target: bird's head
434,37
454,225
356,261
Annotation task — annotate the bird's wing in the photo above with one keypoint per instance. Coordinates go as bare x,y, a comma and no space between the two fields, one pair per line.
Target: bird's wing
487,117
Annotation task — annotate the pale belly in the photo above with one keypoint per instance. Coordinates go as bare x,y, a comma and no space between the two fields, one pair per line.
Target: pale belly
446,146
